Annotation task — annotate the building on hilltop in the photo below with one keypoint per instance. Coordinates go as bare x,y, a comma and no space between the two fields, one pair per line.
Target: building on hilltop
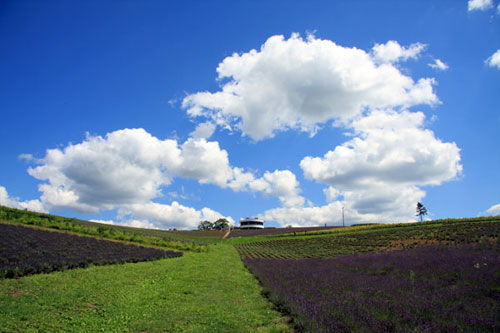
251,223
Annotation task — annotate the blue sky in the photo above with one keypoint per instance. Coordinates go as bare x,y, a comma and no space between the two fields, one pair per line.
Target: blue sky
164,113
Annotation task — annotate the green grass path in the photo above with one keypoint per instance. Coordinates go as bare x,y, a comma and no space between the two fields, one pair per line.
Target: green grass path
199,292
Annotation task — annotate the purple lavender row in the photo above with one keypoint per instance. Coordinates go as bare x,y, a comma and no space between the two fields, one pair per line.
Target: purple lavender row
25,251
429,289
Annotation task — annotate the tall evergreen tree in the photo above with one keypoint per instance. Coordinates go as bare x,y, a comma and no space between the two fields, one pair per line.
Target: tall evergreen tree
421,211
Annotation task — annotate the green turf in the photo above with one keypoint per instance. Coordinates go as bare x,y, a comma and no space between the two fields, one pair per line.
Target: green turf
199,292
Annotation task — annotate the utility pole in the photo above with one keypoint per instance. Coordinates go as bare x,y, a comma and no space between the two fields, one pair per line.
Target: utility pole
343,224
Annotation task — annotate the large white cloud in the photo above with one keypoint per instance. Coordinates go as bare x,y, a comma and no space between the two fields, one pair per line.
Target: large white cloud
204,161
32,205
494,60
375,204
479,5
372,204
390,148
127,169
376,176
126,166
302,84
164,216
330,214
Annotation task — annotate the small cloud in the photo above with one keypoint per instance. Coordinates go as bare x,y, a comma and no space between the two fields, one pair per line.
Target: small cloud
392,52
479,5
176,195
439,65
494,60
26,157
203,130
493,210
172,102
104,221
431,120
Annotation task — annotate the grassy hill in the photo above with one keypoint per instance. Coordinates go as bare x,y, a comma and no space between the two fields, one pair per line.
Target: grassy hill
438,275
207,289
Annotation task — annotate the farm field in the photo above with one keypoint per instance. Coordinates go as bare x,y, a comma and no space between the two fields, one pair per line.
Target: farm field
421,277
372,239
429,289
26,251
199,292
432,276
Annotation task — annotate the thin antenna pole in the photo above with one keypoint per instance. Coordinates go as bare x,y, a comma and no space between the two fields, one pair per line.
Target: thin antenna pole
343,224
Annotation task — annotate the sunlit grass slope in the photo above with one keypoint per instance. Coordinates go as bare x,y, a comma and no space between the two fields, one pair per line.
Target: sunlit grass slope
199,292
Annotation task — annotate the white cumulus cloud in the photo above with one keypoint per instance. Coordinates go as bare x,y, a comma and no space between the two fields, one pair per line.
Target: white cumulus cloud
164,216
479,5
494,60
390,148
128,168
370,205
302,84
32,205
282,184
392,52
374,204
494,210
376,176
330,214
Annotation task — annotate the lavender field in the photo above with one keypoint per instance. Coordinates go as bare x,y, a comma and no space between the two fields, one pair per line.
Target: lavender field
428,289
26,251
376,240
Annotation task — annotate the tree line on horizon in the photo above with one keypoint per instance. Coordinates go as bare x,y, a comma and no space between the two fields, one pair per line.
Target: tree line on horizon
220,224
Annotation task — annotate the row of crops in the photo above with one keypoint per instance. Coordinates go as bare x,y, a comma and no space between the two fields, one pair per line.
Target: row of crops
422,278
430,289
375,240
26,251
321,231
